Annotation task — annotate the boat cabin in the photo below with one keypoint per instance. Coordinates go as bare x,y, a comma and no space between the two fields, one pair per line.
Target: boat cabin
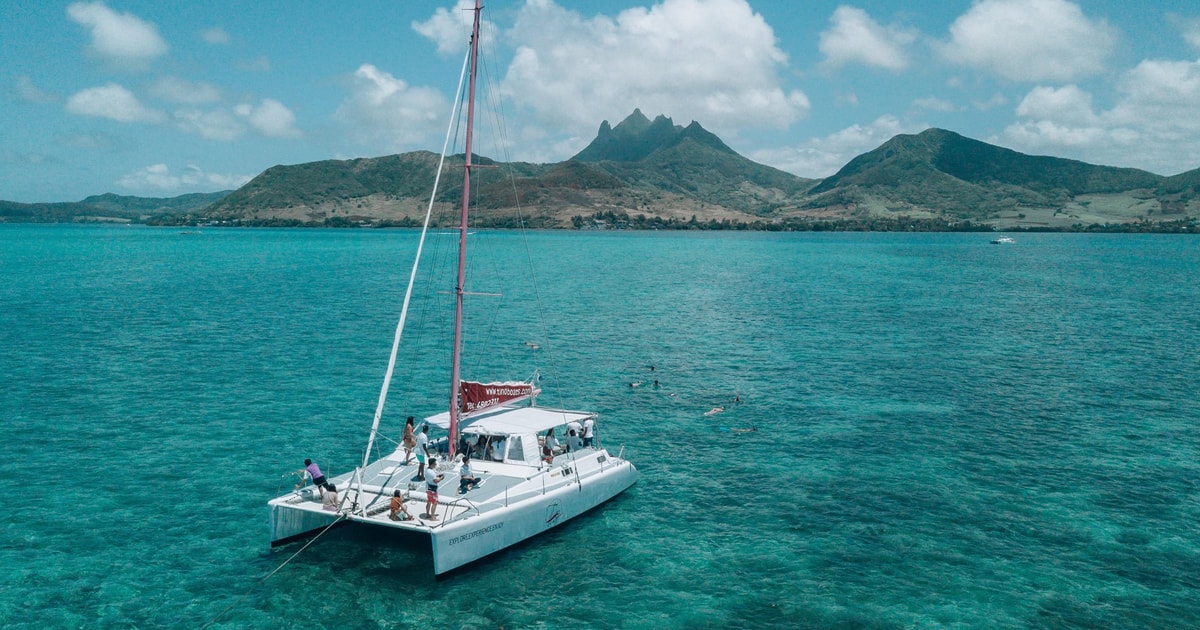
510,435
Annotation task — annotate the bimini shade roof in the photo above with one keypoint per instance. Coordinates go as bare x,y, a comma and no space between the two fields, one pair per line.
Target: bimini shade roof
511,420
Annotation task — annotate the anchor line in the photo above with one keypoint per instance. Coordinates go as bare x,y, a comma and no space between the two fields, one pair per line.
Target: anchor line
276,570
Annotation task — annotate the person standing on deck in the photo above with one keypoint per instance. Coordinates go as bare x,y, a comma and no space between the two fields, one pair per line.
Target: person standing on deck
312,471
431,489
589,427
422,452
409,440
550,446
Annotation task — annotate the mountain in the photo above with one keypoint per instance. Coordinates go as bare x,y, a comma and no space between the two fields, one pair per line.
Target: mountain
654,167
106,208
654,173
939,171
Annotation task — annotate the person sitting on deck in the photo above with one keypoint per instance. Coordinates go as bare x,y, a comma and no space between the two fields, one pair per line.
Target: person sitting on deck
330,500
479,448
431,489
498,449
399,512
573,441
467,481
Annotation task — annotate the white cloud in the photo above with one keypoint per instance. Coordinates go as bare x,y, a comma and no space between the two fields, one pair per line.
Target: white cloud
158,177
114,102
121,38
1030,40
387,113
29,92
853,37
1067,104
1189,28
822,157
1153,124
215,36
450,29
217,124
178,90
270,118
714,61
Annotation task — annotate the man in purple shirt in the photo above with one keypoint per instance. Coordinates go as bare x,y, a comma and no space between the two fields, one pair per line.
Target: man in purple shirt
311,469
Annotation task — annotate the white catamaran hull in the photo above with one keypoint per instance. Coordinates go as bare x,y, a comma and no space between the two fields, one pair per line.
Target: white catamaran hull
515,503
297,515
464,541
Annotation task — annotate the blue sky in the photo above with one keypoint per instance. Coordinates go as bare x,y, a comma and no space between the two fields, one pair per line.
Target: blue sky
158,99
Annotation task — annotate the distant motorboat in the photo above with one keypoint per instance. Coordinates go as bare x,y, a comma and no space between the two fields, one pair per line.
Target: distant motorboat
1003,240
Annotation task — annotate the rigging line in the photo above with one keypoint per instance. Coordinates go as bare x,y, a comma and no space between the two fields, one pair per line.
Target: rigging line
268,576
502,143
391,369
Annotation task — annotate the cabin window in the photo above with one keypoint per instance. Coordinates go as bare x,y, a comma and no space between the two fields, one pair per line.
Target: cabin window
514,448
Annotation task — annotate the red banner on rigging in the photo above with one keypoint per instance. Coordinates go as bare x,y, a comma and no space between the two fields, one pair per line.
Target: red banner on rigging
479,396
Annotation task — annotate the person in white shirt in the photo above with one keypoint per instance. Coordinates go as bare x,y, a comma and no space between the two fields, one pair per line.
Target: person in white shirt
573,441
588,431
422,452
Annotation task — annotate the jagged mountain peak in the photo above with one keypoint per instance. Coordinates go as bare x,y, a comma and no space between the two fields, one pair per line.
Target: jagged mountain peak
637,137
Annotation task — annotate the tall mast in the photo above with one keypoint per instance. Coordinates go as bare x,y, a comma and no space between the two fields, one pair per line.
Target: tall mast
462,239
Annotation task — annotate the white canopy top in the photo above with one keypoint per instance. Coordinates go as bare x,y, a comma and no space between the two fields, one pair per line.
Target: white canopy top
511,420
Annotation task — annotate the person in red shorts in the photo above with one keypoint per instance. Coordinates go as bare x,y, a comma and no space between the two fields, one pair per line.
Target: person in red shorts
431,489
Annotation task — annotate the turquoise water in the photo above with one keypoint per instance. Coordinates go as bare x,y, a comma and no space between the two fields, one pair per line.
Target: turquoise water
949,433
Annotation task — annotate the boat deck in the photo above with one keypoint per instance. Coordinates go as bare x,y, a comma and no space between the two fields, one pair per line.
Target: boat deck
382,477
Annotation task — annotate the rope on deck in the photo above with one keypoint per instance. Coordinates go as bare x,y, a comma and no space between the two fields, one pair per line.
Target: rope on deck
276,570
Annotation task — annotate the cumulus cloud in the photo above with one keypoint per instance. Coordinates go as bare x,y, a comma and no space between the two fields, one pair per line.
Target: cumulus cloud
387,112
178,90
853,37
1153,124
1067,104
450,29
822,157
1189,28
217,124
215,36
270,118
121,38
710,60
114,102
1030,40
158,177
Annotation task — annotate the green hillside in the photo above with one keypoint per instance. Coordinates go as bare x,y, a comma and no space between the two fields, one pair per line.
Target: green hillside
654,173
106,207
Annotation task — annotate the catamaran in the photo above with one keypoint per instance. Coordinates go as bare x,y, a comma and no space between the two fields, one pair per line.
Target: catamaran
523,484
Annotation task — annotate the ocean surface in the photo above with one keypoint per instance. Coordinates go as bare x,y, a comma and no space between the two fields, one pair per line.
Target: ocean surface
948,433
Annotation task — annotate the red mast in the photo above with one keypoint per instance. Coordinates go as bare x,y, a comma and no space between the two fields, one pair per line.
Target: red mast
462,240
